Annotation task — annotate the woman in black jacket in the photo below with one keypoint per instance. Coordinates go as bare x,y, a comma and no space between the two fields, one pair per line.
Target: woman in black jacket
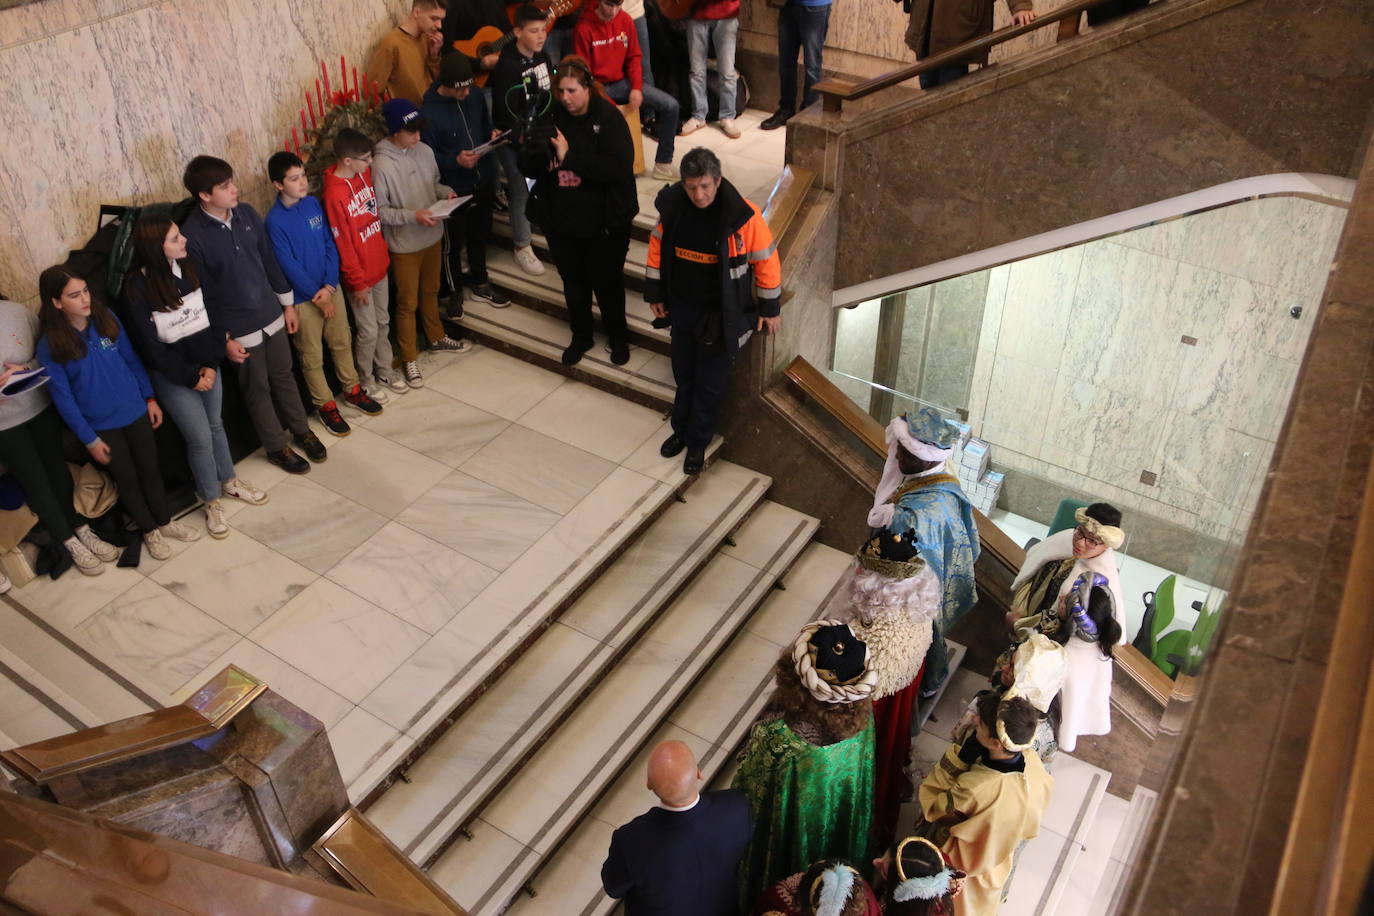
171,332
585,197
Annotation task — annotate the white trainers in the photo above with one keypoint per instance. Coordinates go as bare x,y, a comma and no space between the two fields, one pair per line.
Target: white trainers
103,550
690,126
528,261
664,171
727,127
377,392
87,562
238,488
214,519
178,531
157,548
394,382
413,377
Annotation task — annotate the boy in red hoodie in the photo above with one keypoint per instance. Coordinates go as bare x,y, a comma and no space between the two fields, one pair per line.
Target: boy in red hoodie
351,206
606,38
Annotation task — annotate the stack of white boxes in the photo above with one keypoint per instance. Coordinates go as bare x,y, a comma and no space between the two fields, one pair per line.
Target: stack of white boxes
981,485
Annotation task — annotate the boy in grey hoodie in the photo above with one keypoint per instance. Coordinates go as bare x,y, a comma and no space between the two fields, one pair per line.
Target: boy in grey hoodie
407,185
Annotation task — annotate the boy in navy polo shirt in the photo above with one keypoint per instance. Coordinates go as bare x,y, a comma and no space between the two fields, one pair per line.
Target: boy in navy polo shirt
300,237
250,302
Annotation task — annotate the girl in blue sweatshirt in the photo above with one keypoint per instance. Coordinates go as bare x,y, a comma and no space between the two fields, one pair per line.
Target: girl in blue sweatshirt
100,389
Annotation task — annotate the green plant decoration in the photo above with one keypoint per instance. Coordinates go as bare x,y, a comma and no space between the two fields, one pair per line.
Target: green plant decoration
1204,630
330,111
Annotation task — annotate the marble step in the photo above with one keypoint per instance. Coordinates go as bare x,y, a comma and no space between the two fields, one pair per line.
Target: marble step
36,657
450,672
525,823
548,290
539,338
713,720
1047,863
488,743
1095,862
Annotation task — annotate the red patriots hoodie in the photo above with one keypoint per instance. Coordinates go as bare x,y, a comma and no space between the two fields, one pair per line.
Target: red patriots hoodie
351,207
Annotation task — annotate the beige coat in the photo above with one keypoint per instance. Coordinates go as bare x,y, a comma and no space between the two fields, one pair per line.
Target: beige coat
953,22
993,812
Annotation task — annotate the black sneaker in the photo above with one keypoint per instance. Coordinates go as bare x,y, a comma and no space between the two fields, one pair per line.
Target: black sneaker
672,446
573,355
490,294
360,399
289,461
694,462
620,353
312,446
775,120
332,419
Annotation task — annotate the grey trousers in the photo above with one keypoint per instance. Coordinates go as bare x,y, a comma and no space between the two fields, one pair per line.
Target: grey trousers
270,392
371,327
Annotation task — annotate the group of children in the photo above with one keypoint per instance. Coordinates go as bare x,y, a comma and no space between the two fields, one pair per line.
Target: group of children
226,288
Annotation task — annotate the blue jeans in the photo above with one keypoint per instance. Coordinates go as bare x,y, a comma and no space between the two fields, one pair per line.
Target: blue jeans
800,28
197,416
701,33
642,31
517,193
661,105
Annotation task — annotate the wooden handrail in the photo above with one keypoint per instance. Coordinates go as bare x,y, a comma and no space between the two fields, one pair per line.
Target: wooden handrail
1331,839
208,710
835,402
363,856
835,91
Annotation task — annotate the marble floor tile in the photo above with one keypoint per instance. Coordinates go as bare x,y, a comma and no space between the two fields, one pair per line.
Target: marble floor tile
261,473
659,368
573,878
309,523
25,718
593,420
418,693
752,543
811,583
495,383
646,460
378,473
150,634
337,638
533,466
437,425
357,739
1078,787
742,672
1036,872
474,518
419,580
284,679
67,602
238,581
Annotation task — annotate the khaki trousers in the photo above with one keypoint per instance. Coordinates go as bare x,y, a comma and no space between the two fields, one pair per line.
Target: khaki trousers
417,286
315,333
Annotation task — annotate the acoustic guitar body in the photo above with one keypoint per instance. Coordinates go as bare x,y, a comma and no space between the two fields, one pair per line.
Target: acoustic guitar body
676,9
488,40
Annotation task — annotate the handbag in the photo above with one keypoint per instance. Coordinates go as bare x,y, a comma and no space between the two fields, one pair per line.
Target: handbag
93,491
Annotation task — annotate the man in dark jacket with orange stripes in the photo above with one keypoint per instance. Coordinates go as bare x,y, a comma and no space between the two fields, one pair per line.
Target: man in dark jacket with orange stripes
713,273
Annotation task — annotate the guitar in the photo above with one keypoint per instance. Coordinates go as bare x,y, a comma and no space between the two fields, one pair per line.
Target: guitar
676,9
490,40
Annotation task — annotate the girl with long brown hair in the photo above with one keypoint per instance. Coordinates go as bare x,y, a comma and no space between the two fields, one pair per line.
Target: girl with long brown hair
171,331
103,393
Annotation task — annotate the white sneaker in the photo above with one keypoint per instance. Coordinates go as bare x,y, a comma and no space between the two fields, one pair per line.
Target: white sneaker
238,488
103,551
157,548
727,127
87,562
178,531
5,583
413,377
394,382
529,261
663,171
214,519
690,126
377,391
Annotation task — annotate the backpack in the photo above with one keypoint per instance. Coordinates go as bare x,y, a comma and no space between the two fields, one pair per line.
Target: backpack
109,253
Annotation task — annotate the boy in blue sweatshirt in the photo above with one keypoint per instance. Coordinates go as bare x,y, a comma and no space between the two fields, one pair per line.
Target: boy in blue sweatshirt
301,239
250,302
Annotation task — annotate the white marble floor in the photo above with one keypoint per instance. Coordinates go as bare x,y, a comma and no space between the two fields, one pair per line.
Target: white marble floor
362,590
751,163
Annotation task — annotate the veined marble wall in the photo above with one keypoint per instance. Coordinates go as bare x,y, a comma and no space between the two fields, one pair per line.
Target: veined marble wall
1170,350
108,99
